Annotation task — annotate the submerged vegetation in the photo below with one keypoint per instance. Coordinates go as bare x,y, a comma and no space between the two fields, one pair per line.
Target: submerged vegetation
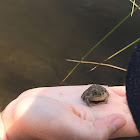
98,43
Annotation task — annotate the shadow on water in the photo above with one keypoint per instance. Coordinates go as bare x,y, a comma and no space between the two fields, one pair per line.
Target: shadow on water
37,36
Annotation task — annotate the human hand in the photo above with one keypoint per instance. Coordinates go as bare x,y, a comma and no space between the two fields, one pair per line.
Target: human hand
117,103
57,113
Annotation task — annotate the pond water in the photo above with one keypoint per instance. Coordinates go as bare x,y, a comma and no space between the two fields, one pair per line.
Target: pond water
37,36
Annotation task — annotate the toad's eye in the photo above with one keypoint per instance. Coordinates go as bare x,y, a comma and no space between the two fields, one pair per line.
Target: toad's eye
102,89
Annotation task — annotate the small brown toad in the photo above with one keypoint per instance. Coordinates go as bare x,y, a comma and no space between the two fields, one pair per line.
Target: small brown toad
95,94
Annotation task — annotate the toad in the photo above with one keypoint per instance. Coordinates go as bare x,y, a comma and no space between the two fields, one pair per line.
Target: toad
95,94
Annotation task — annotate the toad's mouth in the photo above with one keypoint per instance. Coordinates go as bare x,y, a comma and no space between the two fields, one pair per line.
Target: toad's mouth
98,102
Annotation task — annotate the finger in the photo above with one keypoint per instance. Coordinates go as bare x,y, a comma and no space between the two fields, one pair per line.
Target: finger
120,90
107,126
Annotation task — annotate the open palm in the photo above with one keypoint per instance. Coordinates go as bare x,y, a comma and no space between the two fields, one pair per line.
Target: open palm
71,96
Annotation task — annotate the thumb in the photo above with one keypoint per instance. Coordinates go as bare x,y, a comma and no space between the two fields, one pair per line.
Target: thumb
107,126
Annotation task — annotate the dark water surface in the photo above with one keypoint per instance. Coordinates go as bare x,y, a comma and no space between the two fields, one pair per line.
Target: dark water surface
37,36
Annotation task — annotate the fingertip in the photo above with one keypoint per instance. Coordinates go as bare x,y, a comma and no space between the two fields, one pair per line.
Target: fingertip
108,125
118,123
120,90
116,120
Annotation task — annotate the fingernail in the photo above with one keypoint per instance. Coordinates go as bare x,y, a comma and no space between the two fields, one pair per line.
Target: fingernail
118,123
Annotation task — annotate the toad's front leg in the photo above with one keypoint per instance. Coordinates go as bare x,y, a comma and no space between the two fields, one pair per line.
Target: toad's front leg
88,101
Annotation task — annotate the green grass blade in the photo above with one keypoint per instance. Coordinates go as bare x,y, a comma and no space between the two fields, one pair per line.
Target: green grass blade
122,49
117,53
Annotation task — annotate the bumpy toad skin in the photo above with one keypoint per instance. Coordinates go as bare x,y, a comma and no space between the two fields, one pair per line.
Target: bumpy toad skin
95,94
